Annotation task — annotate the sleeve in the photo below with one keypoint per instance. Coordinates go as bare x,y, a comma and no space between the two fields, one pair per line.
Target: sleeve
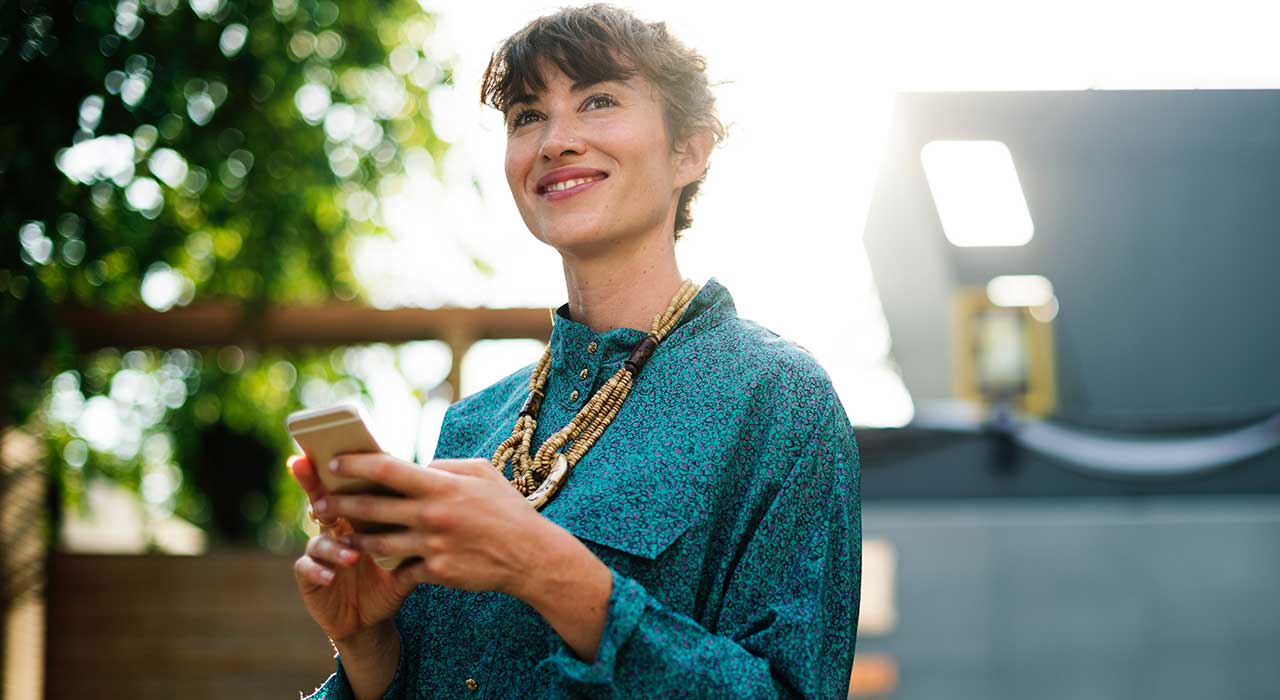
338,686
787,626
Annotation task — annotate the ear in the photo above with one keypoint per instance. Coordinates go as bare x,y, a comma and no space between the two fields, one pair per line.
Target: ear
691,156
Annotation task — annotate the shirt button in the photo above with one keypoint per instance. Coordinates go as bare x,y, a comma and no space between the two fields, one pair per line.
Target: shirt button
472,684
574,395
591,347
583,373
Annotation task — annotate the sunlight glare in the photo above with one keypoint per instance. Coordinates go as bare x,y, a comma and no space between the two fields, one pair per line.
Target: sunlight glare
977,194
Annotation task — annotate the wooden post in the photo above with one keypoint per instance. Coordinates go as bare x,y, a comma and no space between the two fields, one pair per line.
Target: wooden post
23,555
459,340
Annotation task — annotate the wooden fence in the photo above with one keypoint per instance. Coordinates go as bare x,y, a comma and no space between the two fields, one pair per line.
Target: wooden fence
229,624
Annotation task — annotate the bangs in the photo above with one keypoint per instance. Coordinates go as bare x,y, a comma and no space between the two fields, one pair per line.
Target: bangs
587,52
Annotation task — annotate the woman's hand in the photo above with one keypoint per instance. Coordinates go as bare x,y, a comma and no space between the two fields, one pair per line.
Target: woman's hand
475,532
346,593
470,528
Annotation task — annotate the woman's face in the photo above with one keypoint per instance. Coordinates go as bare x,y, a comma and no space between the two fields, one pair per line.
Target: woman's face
591,166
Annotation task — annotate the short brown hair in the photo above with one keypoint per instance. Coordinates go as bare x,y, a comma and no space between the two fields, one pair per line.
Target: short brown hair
600,42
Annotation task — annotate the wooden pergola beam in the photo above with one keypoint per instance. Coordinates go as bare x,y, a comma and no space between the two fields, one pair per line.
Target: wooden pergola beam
222,323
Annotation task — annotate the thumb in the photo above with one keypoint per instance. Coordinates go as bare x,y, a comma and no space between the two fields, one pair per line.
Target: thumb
406,577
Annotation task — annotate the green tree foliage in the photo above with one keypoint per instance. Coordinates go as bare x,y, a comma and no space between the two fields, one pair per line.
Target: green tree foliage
166,152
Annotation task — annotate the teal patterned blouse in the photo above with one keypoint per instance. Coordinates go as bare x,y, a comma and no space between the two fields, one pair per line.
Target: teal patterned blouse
725,499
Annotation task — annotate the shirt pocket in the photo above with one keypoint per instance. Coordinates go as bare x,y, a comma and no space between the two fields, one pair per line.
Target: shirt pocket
633,527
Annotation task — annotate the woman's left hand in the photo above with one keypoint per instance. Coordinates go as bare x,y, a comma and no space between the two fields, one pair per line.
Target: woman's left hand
470,527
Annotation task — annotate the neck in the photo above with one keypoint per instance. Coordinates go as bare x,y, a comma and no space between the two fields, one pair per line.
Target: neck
624,288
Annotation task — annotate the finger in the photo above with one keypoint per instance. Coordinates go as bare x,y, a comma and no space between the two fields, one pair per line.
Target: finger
330,552
326,522
464,467
339,530
408,575
409,543
309,571
405,477
304,472
378,509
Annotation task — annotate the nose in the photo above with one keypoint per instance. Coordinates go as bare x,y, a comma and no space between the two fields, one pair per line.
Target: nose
558,142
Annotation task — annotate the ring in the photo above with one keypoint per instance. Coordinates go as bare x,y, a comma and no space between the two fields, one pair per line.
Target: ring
311,514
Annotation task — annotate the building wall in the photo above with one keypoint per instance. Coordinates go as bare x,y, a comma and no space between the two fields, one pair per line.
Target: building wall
1164,597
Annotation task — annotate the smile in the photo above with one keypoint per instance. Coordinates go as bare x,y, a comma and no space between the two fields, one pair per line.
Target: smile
570,185
567,184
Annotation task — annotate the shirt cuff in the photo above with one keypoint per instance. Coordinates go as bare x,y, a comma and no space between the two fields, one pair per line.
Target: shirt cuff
338,686
626,606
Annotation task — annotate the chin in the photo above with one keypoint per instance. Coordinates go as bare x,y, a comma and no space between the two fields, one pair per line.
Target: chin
577,235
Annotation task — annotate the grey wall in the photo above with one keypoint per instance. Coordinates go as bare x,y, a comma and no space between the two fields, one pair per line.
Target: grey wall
1157,218
1175,599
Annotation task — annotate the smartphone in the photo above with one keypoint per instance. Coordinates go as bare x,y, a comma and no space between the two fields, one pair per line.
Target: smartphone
325,433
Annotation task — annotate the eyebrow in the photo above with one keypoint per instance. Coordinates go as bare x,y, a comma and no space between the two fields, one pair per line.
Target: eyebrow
529,98
523,99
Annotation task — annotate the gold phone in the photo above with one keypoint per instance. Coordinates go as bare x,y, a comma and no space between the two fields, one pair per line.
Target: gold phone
325,433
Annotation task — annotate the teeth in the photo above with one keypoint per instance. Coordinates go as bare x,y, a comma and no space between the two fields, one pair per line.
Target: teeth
566,184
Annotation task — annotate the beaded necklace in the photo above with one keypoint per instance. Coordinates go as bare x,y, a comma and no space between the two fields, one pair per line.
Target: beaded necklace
539,477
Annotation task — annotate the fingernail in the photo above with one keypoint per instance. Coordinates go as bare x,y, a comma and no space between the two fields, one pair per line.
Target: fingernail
321,505
327,575
333,465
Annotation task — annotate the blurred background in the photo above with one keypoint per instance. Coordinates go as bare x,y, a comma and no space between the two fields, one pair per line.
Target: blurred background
1034,244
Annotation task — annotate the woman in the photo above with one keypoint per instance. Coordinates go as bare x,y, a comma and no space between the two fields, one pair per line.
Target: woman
685,517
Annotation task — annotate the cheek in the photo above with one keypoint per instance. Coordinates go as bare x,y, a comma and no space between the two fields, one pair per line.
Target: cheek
517,164
651,158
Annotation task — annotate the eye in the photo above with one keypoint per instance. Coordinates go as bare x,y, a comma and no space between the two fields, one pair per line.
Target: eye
523,117
598,101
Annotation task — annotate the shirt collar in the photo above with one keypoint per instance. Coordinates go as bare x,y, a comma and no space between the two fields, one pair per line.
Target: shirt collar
570,340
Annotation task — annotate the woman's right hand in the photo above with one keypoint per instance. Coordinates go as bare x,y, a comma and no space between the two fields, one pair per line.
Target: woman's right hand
345,592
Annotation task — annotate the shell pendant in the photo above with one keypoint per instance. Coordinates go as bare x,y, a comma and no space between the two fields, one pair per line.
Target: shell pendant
551,484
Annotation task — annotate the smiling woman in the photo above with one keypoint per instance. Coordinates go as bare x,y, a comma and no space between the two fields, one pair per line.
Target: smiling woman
592,59
667,502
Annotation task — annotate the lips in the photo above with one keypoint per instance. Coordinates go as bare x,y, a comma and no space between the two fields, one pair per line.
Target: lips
564,179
